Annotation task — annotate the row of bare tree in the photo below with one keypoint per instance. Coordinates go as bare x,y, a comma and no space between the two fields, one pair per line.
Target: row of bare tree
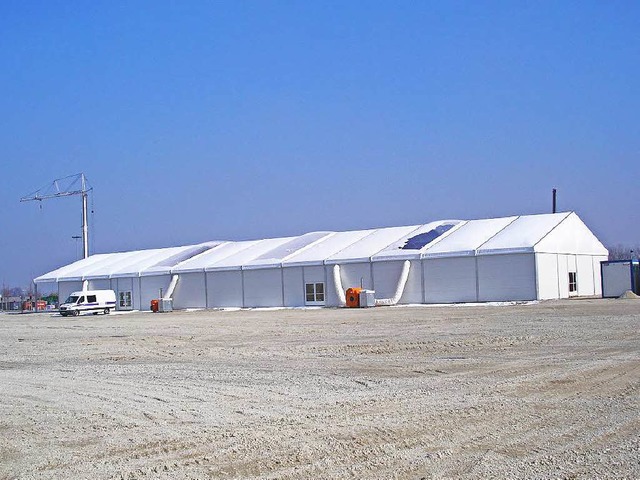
623,252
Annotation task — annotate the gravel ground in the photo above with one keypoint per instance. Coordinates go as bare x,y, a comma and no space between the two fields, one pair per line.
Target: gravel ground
548,390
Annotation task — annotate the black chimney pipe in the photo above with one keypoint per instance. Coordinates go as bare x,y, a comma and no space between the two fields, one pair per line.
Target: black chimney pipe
554,200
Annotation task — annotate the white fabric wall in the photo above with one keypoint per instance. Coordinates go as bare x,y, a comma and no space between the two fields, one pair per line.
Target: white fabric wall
506,277
150,289
101,284
295,279
586,280
190,291
137,289
563,275
386,275
313,274
122,285
451,279
616,279
224,289
353,273
66,288
555,268
571,236
547,275
597,273
293,286
263,287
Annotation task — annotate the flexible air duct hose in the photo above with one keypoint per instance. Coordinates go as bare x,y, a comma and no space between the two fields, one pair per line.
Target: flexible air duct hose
172,287
337,281
402,282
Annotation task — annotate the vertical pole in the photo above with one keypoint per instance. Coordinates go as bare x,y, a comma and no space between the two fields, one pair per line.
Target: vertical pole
554,200
36,295
85,229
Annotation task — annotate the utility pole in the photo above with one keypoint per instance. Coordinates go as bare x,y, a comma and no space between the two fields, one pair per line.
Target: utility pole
64,187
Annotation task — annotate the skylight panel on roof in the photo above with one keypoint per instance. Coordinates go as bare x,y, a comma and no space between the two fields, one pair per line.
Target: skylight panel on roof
419,241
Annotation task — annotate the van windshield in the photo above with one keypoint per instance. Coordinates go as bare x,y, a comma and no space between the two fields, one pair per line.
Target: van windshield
71,299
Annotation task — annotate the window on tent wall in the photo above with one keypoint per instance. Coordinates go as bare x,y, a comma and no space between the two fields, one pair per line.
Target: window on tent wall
573,283
314,293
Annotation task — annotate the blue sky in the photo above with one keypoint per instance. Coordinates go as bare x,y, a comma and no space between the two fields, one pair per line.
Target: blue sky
196,121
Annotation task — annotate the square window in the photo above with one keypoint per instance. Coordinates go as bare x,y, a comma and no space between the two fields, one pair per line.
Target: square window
314,292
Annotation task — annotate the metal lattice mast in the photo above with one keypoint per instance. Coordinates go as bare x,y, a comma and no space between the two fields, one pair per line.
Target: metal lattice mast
65,187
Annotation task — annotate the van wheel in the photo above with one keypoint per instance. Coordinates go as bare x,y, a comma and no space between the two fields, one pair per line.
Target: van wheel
106,311
76,313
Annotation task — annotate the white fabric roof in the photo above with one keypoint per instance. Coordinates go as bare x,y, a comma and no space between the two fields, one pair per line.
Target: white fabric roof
124,264
98,269
368,246
401,248
325,248
522,234
275,257
561,233
211,257
166,263
468,238
239,259
68,271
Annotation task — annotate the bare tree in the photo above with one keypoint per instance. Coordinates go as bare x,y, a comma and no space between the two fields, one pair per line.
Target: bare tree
623,252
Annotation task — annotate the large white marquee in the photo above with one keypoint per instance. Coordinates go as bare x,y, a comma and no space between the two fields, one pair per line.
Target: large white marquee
530,257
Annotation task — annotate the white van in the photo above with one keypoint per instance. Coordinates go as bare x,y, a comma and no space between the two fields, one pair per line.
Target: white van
94,301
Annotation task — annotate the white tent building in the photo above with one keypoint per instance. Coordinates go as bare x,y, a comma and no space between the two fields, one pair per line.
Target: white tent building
531,257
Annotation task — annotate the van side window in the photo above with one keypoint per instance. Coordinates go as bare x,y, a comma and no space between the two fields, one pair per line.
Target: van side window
81,300
91,299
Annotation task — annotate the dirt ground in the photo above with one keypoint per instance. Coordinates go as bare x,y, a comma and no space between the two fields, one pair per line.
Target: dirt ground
548,390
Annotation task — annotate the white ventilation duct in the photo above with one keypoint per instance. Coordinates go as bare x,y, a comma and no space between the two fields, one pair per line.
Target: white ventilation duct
402,282
337,281
172,287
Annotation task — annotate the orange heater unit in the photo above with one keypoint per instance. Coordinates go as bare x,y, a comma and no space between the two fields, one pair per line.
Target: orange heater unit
353,297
